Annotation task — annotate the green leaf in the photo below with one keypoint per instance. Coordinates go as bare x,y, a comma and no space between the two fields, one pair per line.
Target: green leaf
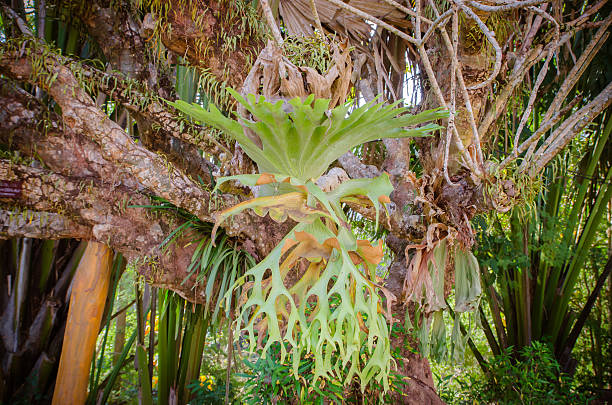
143,375
467,281
458,341
438,337
344,329
323,331
437,271
375,190
305,141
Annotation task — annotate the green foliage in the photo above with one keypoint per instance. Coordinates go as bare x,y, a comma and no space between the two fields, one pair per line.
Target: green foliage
215,264
467,281
311,51
333,312
209,388
144,381
535,379
268,380
533,259
312,319
209,392
183,328
427,266
527,189
303,142
596,374
324,330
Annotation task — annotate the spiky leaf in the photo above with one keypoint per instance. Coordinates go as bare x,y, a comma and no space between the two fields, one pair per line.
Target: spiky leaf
303,142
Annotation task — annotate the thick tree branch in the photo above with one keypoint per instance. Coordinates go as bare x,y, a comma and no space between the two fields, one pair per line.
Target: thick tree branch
118,35
87,200
571,127
29,127
40,225
91,210
81,115
203,33
149,106
159,123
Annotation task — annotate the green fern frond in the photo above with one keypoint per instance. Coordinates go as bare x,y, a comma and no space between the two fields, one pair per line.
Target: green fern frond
334,311
303,142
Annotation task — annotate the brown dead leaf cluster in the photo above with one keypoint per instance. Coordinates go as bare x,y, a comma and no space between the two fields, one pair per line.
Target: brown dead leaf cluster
275,77
446,204
299,20
426,266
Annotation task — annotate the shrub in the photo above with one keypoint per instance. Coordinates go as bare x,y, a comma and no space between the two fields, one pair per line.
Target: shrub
529,376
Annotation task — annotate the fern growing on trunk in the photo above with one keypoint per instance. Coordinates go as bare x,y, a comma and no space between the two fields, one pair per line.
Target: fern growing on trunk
334,311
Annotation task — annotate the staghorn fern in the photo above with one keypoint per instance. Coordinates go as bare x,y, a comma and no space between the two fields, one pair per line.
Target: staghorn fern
303,143
334,311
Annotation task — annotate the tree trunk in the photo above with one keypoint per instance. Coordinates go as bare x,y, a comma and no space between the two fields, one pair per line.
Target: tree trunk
119,340
89,291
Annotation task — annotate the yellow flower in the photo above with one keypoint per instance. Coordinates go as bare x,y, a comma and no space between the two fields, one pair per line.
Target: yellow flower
207,379
155,379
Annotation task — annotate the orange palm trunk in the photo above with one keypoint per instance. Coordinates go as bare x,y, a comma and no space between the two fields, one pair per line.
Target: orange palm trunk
89,290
